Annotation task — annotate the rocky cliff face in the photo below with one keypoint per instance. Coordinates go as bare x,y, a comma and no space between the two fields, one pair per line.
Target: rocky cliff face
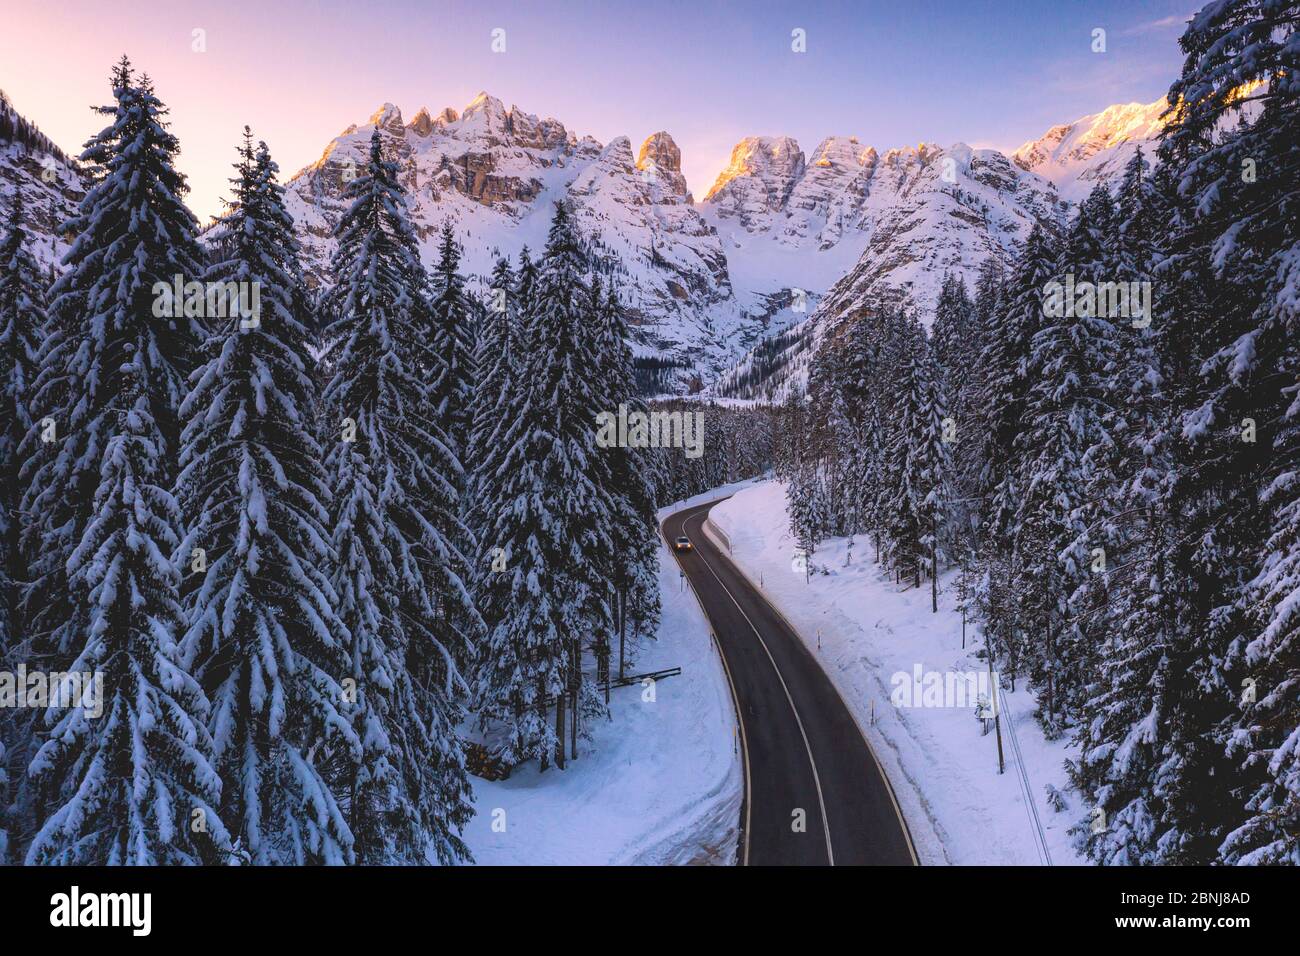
495,174
949,210
900,219
756,184
908,216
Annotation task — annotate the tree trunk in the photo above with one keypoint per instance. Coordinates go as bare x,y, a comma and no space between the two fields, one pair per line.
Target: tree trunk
934,581
560,700
622,629
575,685
544,760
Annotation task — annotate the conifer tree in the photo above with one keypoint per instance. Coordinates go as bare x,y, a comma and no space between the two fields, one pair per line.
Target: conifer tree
497,366
22,320
635,530
1234,144
1067,429
133,237
263,634
957,345
453,338
132,786
552,519
395,488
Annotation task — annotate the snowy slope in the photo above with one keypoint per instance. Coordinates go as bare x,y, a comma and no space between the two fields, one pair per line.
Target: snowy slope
889,227
959,809
1076,156
50,183
660,784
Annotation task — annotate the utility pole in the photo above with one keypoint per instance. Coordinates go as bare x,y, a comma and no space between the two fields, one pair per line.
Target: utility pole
934,568
997,714
622,628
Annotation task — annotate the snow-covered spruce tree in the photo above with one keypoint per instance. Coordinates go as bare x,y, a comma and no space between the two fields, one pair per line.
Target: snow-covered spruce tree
906,477
496,365
835,407
1007,347
552,522
974,457
932,462
264,638
1235,146
917,462
453,339
130,785
1066,433
22,321
841,387
132,231
957,346
635,529
395,487
102,594
1008,338
454,318
1133,615
862,443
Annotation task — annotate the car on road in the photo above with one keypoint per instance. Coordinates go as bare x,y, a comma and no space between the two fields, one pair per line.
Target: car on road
682,543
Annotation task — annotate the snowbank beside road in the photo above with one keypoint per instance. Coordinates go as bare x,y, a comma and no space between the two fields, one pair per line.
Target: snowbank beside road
660,783
943,771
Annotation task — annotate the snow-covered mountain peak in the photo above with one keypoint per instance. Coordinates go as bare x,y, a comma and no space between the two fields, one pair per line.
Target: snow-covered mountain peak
841,151
387,117
422,122
660,159
50,182
757,180
1075,156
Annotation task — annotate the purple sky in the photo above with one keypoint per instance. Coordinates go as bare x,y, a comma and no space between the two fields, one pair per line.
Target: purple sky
893,74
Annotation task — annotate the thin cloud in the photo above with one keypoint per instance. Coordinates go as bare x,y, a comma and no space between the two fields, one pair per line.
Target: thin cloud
1164,23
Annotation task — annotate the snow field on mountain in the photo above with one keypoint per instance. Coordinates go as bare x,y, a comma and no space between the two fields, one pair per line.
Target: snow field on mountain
944,773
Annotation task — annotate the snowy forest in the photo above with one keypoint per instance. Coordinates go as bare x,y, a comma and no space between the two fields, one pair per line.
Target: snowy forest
1121,495
311,549
338,538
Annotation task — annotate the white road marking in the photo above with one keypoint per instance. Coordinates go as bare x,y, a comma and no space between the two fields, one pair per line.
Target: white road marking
735,702
880,769
830,853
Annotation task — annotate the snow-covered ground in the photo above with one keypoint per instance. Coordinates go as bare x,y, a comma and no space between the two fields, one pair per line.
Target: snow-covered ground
660,783
944,772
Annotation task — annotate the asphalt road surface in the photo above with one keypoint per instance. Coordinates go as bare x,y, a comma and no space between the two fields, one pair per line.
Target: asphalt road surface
814,793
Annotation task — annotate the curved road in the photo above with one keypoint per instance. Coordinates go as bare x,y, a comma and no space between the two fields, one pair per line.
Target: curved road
803,750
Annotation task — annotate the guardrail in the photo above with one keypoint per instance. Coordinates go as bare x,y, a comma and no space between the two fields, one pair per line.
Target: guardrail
629,680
